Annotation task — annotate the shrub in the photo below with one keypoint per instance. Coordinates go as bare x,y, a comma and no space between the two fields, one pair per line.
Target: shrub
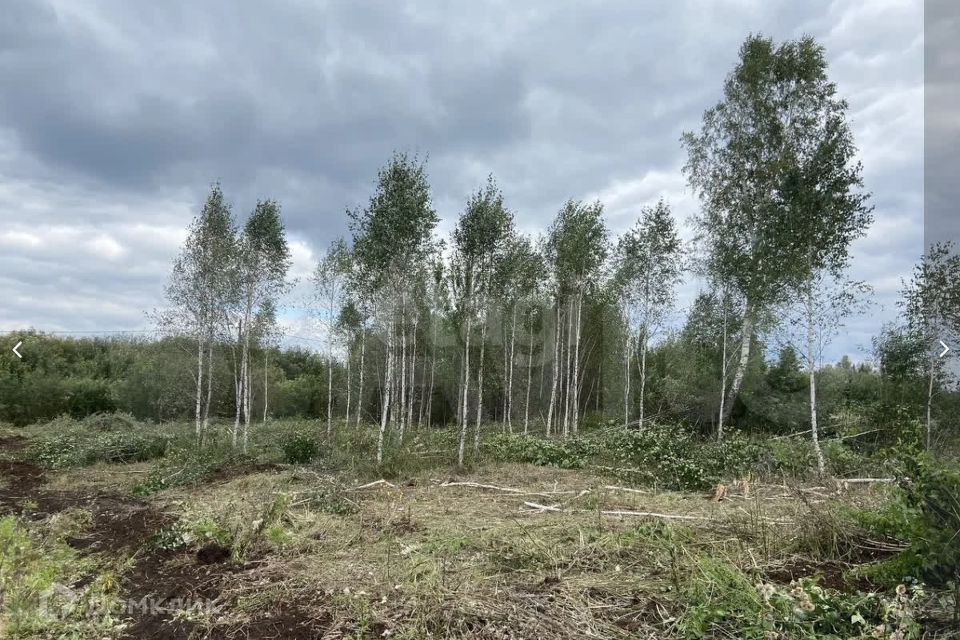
722,601
187,466
572,453
675,458
77,448
300,449
117,421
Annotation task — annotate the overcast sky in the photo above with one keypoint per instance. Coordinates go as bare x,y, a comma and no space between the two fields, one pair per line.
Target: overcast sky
115,117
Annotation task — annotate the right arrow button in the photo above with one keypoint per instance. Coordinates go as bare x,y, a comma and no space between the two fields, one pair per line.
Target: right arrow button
945,349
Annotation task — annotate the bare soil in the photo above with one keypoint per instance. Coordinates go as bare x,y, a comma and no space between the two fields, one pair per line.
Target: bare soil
124,526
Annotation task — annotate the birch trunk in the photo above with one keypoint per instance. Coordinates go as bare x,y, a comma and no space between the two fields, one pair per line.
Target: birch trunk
346,417
483,343
433,368
402,397
811,367
413,374
513,332
643,373
206,404
329,389
199,387
556,371
723,370
526,404
387,386
746,338
465,389
933,373
567,368
266,369
575,419
626,375
363,339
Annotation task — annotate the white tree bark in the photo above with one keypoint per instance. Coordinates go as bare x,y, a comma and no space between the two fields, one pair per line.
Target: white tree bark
483,343
723,370
413,372
556,371
513,333
363,339
466,384
575,402
199,386
346,417
746,339
402,396
526,404
812,369
566,371
387,386
266,383
933,373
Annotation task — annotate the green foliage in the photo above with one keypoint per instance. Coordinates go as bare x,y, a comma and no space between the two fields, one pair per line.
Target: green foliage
77,446
48,591
673,457
301,448
927,516
722,601
572,453
186,466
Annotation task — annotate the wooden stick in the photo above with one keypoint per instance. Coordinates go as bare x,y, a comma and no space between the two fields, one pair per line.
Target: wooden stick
638,514
375,483
611,487
516,492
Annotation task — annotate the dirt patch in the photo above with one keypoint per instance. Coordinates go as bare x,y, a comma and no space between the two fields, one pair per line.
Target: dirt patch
12,443
213,554
831,575
22,481
232,471
160,582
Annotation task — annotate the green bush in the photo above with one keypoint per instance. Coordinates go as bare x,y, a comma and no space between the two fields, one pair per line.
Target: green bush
926,516
186,466
116,421
572,453
300,449
674,457
77,448
722,601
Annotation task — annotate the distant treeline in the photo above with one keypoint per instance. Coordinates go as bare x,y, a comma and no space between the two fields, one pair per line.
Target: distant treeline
151,379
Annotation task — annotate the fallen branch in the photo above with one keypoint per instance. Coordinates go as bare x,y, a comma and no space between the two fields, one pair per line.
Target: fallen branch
865,480
540,508
543,507
516,492
373,484
611,487
651,514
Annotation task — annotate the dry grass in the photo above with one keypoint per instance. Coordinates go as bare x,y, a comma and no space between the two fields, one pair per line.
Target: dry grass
419,558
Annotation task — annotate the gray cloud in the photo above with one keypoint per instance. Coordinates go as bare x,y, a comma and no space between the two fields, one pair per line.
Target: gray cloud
116,114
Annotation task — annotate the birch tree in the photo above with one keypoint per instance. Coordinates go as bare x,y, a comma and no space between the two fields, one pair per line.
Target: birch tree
648,270
263,259
391,235
201,290
931,299
754,163
484,225
576,249
330,278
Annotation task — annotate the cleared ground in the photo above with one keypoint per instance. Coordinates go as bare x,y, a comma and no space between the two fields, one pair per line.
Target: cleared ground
504,551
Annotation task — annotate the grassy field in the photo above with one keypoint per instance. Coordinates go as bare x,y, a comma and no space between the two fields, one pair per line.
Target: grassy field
115,536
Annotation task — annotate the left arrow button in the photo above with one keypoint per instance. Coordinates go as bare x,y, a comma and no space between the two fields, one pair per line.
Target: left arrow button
17,346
